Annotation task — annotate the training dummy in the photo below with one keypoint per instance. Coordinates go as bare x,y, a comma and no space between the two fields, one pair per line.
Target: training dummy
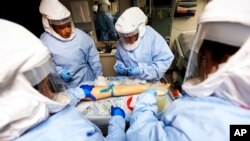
101,91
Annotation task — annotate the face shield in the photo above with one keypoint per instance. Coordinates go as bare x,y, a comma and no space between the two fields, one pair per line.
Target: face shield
44,78
60,22
129,38
213,45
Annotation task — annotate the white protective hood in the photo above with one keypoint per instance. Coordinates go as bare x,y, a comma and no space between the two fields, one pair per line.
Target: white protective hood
104,2
131,22
21,106
54,10
231,81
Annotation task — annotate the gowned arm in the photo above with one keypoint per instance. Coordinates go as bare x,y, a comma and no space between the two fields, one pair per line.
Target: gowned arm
94,60
144,125
116,129
162,58
118,60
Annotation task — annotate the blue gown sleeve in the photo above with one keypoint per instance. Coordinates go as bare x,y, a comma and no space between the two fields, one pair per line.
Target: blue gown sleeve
76,95
118,59
116,129
144,125
94,59
44,39
71,125
162,59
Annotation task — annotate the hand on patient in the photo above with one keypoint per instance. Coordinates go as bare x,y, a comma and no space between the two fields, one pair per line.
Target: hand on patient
117,111
66,76
134,71
121,70
87,91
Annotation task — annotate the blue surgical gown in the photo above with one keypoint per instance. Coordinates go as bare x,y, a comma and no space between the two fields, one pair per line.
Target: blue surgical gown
70,125
105,27
78,56
187,119
153,56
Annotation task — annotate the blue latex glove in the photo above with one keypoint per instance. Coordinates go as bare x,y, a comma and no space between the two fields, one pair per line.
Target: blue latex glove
87,91
121,70
134,71
117,111
151,91
65,75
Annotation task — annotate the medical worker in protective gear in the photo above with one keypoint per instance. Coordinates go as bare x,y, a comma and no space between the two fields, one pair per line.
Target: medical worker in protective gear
33,107
95,7
73,51
141,51
104,23
217,95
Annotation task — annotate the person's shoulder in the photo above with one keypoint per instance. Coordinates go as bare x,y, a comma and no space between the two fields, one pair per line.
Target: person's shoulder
81,32
154,34
151,30
119,44
45,36
77,30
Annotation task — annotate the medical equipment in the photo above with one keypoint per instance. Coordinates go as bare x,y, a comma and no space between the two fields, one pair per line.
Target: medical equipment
99,111
114,89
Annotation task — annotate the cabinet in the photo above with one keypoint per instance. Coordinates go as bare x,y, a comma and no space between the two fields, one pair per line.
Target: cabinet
160,14
108,62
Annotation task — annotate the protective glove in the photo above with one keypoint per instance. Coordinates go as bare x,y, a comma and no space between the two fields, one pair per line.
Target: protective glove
151,91
87,91
117,111
134,71
121,70
65,75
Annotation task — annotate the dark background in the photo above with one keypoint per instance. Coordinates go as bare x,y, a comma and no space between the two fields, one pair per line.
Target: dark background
24,12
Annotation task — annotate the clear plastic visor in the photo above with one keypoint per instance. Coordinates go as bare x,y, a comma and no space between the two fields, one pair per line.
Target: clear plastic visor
210,58
129,34
213,45
45,79
60,22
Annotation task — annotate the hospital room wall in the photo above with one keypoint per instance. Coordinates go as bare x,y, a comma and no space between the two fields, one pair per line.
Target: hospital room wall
179,23
186,23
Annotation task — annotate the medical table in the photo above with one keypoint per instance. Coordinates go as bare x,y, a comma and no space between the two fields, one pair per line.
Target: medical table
99,111
182,48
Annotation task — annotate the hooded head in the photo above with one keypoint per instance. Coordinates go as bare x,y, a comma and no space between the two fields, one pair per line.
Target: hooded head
57,20
132,23
215,66
25,64
106,2
104,6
